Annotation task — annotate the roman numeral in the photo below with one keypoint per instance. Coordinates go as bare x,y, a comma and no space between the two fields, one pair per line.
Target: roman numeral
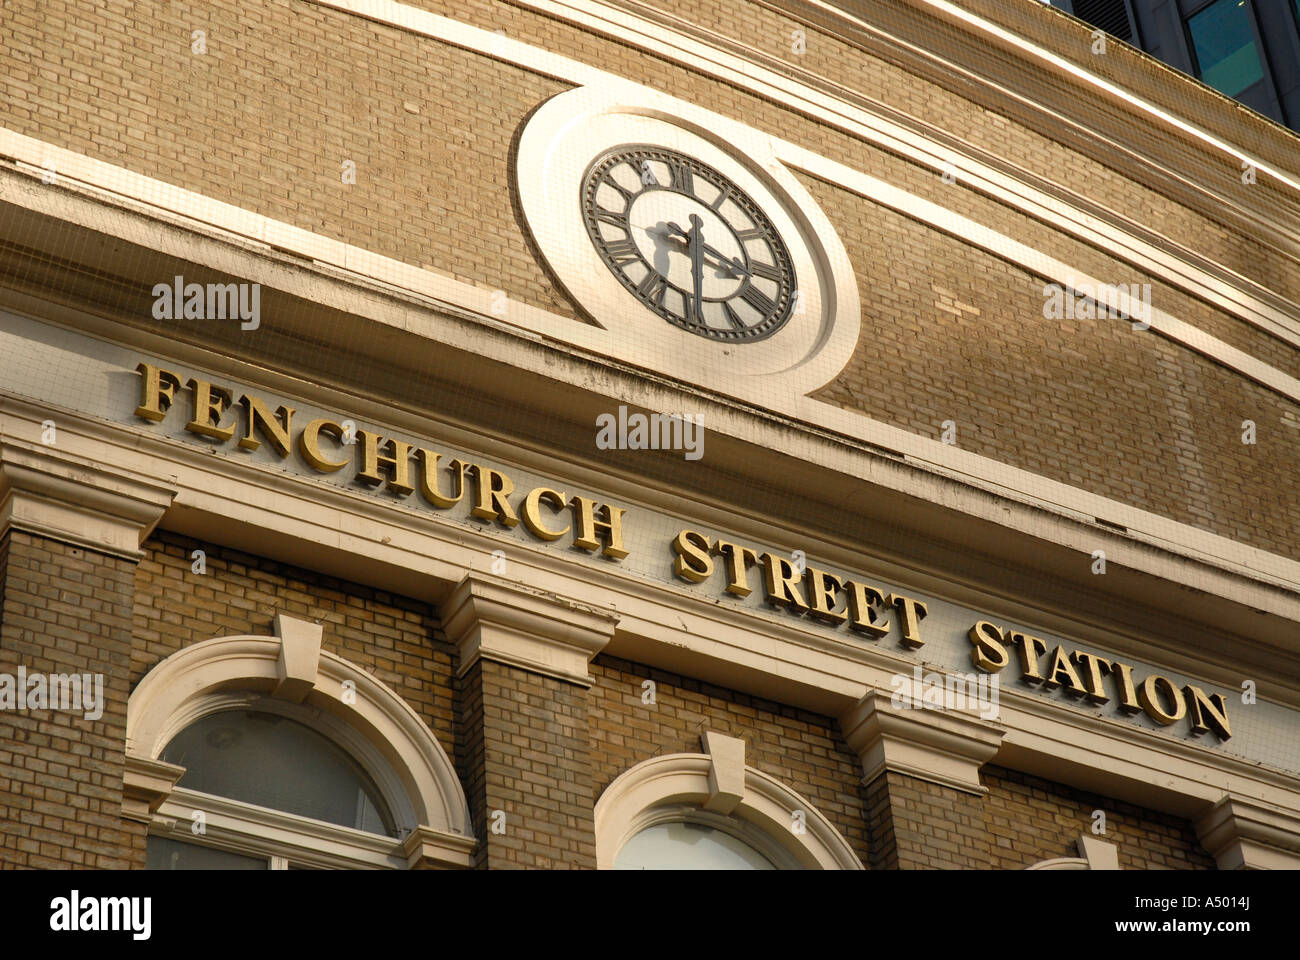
627,194
757,299
722,198
653,288
732,317
755,234
623,251
615,217
682,178
765,270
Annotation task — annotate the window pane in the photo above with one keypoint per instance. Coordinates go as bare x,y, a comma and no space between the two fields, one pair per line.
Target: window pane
1225,47
164,854
275,762
688,846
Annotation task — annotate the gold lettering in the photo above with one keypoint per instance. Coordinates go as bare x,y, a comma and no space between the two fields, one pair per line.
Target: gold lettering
429,479
1128,701
912,612
1029,650
781,583
157,391
210,404
491,488
1212,709
739,559
258,416
309,445
398,461
822,598
1062,673
988,653
584,512
864,601
692,561
1149,695
1094,665
533,516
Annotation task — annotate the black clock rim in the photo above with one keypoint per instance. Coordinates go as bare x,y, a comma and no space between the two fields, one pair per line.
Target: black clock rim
773,324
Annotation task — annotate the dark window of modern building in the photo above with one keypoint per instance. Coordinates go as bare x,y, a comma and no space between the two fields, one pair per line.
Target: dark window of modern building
1223,41
1113,16
1246,49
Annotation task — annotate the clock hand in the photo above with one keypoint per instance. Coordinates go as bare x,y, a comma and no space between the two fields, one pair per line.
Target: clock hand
730,263
697,263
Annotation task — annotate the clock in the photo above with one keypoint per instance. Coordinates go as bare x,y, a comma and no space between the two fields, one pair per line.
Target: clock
685,242
689,243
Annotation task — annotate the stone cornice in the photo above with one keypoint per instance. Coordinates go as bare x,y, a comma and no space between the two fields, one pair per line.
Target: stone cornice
1242,833
430,849
946,747
493,618
51,493
146,784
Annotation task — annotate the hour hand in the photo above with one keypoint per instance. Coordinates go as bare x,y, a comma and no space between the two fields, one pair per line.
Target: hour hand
735,266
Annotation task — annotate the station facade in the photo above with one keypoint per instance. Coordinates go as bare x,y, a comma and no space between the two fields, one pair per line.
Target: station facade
587,434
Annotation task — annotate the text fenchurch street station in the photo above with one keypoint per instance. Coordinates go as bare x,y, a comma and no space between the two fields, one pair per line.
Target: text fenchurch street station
623,434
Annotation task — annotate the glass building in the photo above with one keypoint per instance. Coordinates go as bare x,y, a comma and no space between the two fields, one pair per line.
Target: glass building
1245,49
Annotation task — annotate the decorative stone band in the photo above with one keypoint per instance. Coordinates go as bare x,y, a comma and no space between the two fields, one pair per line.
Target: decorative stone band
492,618
48,492
1242,833
946,747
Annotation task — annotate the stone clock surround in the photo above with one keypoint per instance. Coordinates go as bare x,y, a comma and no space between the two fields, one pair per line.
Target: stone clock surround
556,149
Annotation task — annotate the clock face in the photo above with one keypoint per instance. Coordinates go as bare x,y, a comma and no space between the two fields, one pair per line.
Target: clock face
688,243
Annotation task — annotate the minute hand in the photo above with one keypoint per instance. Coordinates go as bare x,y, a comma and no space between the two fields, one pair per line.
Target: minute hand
726,261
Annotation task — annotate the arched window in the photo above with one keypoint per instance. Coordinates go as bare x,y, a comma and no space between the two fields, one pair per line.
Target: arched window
709,811
266,753
266,758
681,837
263,757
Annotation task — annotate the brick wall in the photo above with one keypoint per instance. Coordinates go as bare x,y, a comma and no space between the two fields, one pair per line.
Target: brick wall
804,751
919,825
1030,819
265,119
518,740
528,756
538,749
949,333
65,610
952,333
396,639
